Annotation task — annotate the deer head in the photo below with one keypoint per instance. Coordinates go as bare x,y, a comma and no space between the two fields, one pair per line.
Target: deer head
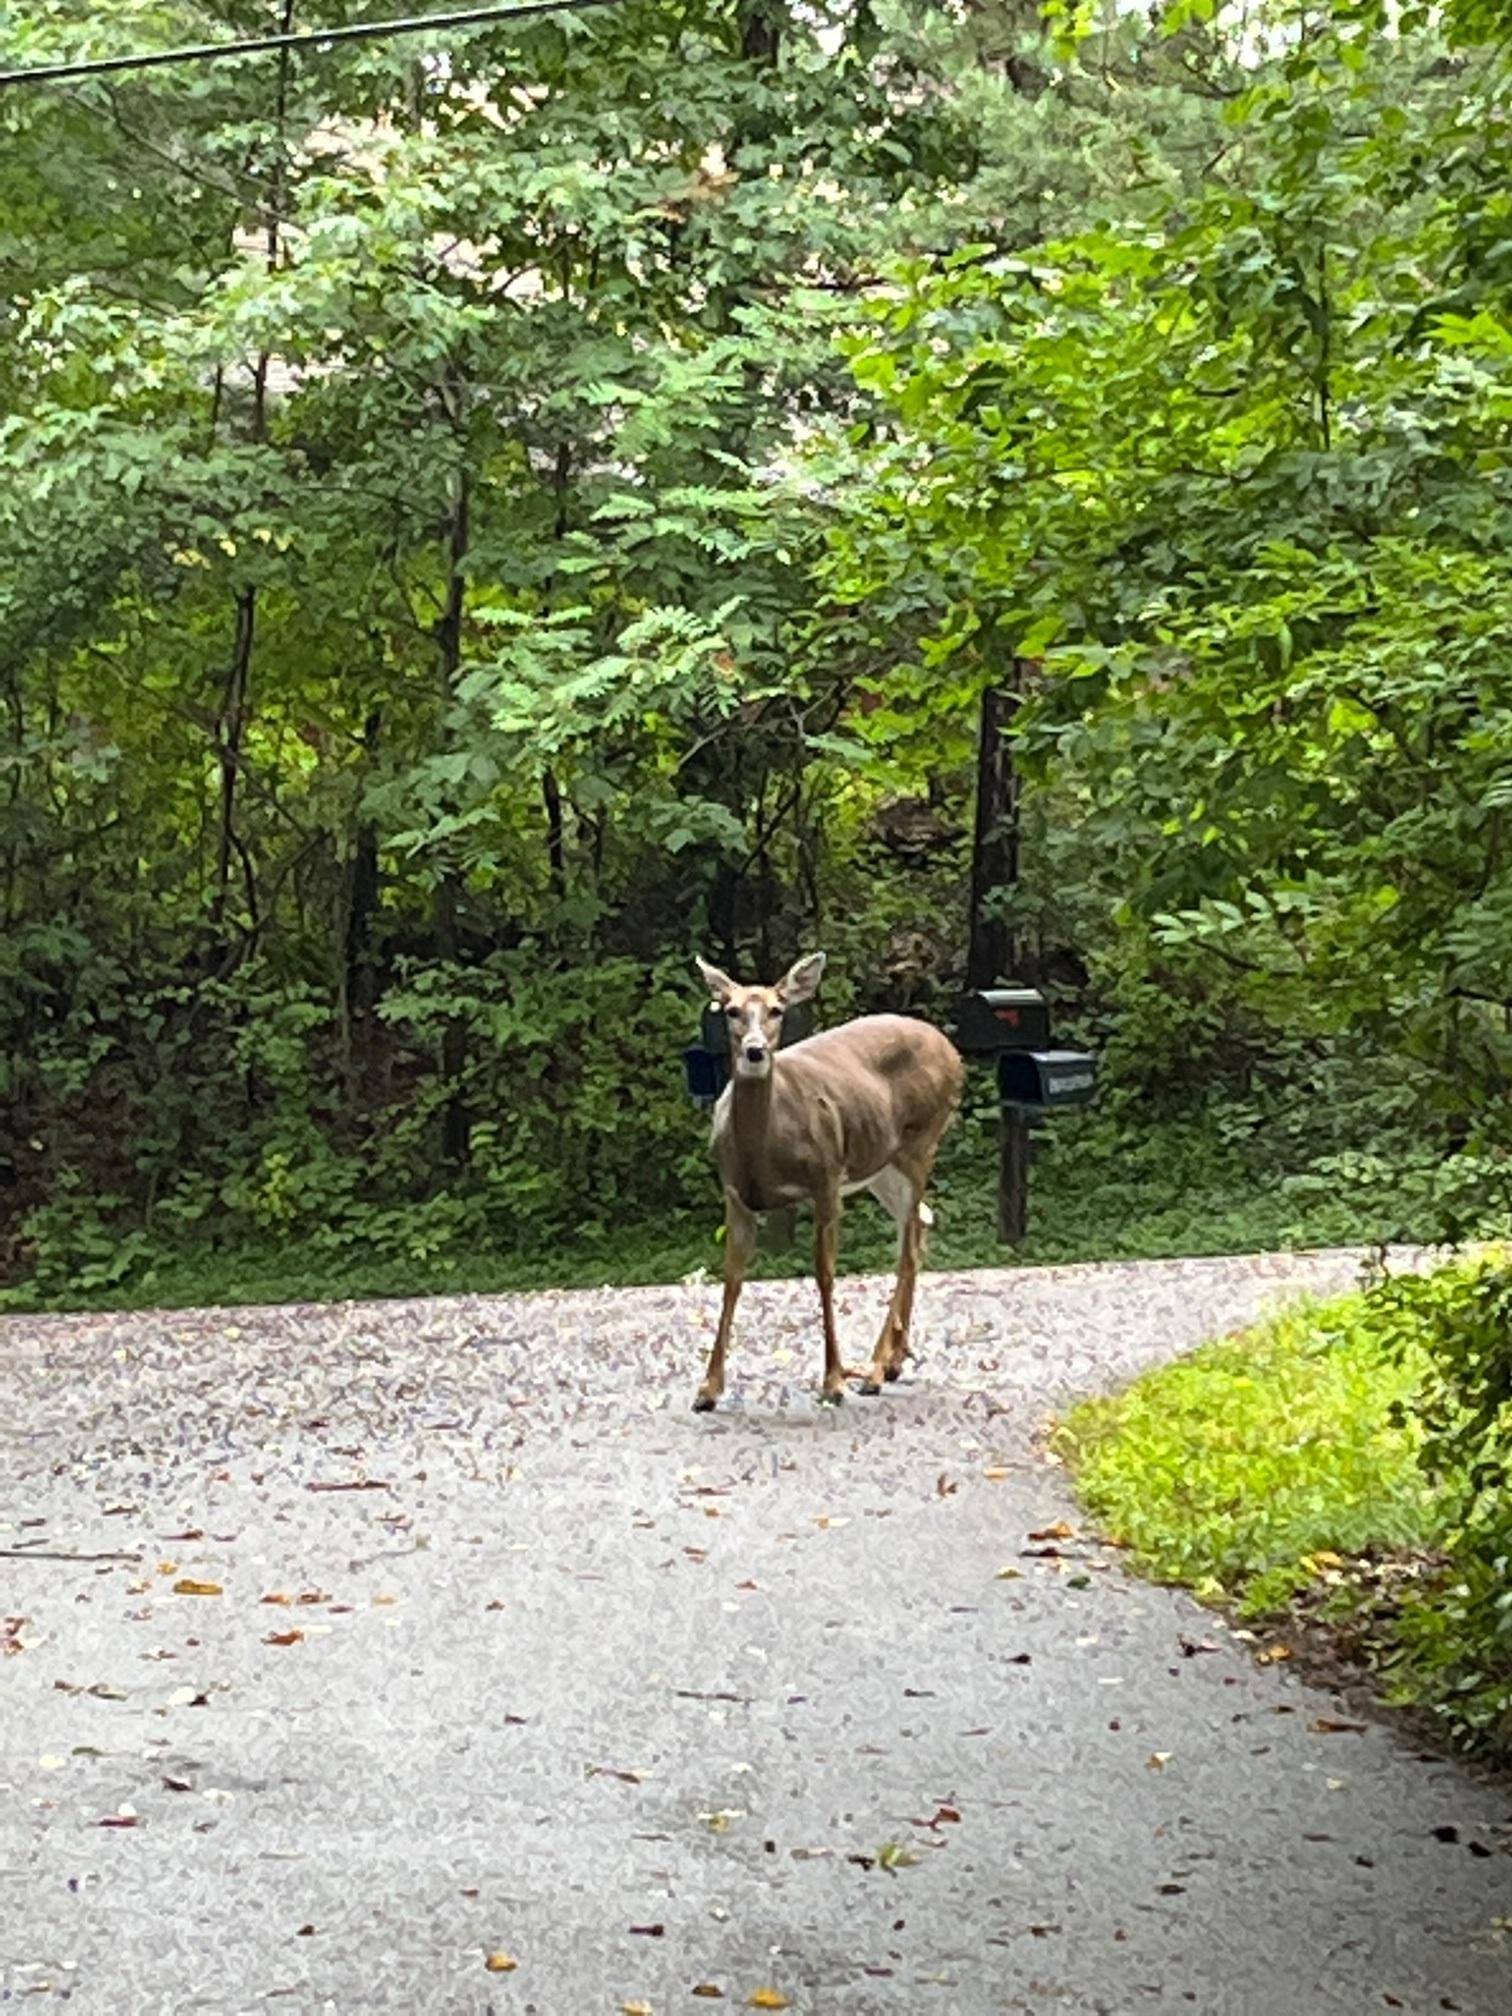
754,1014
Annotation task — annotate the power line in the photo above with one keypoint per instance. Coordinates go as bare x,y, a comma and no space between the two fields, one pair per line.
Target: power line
310,38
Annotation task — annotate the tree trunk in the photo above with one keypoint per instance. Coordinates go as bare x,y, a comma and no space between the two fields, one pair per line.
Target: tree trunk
456,1123
991,949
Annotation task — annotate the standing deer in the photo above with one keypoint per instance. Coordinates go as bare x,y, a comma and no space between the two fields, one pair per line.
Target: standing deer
861,1107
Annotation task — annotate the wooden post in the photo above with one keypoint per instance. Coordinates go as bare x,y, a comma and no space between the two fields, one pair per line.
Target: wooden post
1013,1175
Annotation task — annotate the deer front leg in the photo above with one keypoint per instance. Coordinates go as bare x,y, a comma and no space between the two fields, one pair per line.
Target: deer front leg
826,1246
740,1244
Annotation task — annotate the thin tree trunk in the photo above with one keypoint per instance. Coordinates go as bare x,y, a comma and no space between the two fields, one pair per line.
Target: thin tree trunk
456,1123
236,699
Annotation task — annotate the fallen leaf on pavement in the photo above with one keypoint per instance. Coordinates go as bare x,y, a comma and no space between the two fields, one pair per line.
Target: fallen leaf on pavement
124,1816
1190,1647
1158,1760
500,1963
1059,1531
769,1998
277,1596
186,1587
997,1473
1273,1655
1325,1725
284,1638
1009,1575
648,1931
635,2009
708,1991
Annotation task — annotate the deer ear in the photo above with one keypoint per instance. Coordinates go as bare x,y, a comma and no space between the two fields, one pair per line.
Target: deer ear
801,982
720,985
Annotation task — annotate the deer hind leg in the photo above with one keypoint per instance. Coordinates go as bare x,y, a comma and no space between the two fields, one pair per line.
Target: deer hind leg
826,1247
740,1244
899,1196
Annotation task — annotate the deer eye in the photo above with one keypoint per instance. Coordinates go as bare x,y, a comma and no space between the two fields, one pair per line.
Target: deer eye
733,1013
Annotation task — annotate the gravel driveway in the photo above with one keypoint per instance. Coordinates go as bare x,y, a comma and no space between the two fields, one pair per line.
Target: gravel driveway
511,1657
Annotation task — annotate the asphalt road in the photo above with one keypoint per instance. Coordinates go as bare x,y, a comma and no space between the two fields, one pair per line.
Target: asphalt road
648,1703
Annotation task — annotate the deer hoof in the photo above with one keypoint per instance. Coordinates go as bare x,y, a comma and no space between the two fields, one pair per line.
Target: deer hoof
828,1399
870,1388
704,1404
893,1372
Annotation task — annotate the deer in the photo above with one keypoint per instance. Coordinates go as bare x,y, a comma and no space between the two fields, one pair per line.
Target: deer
863,1106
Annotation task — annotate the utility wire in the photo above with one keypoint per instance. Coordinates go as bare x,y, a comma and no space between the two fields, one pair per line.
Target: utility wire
310,38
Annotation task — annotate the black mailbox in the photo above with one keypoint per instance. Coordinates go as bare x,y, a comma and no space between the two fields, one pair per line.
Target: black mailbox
706,1064
994,1019
1044,1080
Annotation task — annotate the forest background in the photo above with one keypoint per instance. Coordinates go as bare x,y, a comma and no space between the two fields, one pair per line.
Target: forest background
992,493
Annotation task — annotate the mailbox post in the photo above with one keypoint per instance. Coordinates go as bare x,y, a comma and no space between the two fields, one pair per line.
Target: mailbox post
1012,1026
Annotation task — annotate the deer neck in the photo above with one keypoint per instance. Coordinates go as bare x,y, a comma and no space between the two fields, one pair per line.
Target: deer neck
750,1128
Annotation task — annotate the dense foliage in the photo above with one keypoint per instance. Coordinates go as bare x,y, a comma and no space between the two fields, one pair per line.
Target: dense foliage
475,529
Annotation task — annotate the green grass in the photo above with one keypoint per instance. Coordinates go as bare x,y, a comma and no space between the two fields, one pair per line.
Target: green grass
1281,1474
1232,1470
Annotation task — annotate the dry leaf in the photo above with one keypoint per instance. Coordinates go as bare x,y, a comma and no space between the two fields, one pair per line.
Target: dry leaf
648,1931
1059,1531
635,2009
1158,1760
500,1963
1325,1725
277,1596
1009,1575
167,1567
188,1588
708,1991
1273,1655
769,1998
283,1638
997,1473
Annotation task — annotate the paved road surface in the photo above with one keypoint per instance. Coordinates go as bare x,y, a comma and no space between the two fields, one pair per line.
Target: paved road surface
649,1702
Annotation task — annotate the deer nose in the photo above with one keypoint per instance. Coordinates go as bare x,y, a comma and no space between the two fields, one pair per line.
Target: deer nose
755,1053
